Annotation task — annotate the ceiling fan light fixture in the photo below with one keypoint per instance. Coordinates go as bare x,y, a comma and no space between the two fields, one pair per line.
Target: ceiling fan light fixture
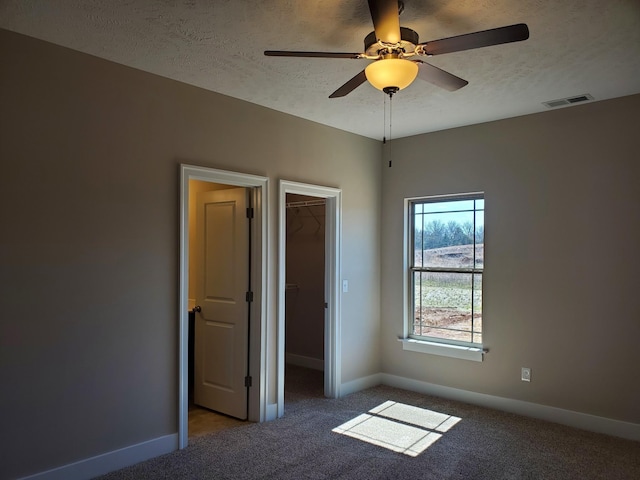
391,72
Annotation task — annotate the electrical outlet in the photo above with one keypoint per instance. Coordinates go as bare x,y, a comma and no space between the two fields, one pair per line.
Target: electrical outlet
526,374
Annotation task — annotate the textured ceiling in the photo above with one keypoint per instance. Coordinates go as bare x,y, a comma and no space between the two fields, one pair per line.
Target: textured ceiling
575,47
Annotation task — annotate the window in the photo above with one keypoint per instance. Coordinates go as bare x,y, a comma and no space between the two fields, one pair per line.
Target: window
446,261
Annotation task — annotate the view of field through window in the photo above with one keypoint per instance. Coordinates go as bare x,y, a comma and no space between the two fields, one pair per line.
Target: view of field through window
448,260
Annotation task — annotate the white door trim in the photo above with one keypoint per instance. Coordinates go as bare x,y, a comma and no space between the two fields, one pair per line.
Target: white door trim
258,341
333,229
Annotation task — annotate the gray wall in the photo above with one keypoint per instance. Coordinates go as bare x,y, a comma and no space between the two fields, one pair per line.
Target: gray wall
561,254
89,200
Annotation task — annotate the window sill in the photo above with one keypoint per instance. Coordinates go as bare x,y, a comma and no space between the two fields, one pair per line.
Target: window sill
455,351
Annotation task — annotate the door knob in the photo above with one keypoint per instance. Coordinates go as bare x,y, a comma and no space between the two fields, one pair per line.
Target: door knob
196,309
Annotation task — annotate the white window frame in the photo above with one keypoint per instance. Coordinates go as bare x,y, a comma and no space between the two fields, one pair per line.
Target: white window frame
430,345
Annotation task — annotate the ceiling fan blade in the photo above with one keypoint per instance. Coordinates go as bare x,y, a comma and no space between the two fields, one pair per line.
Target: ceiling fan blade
386,20
350,86
442,79
485,38
281,53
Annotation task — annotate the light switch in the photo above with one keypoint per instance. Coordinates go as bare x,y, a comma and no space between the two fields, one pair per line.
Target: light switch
345,286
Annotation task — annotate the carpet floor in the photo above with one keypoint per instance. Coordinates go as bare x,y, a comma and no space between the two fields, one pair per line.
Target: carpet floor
388,433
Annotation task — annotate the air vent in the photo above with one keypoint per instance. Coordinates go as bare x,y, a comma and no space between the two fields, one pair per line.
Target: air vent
568,101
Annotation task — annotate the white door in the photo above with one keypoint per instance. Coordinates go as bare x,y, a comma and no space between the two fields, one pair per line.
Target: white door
222,324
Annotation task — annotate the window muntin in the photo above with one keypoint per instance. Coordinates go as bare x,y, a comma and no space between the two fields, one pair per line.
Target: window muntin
446,266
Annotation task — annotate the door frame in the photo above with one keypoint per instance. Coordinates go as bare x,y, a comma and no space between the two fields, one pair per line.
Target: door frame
333,254
257,406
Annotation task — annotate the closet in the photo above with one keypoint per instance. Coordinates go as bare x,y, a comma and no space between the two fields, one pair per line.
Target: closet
305,281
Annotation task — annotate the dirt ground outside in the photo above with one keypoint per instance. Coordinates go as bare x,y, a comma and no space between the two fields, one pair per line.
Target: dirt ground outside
448,323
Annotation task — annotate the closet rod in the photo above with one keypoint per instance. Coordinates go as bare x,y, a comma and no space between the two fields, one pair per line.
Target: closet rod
306,203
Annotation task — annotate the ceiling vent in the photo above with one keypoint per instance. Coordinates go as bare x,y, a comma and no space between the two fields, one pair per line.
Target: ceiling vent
567,101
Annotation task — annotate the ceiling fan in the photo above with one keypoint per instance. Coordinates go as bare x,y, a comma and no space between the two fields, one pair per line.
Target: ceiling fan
393,49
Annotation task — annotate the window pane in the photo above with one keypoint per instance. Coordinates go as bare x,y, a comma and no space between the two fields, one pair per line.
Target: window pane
459,256
479,237
455,205
479,264
446,242
477,308
439,232
442,305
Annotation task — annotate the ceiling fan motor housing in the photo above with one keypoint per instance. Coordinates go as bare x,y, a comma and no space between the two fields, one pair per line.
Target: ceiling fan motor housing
407,44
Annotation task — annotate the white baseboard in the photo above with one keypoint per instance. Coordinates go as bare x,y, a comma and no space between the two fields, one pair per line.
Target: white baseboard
307,362
110,461
360,384
583,421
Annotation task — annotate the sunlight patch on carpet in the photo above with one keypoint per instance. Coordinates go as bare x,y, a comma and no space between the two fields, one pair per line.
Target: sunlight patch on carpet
399,427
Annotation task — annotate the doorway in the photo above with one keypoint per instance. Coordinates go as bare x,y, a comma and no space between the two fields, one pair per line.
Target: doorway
219,238
257,192
291,192
304,297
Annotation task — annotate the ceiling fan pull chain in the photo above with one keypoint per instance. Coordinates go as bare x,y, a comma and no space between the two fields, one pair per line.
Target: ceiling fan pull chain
390,134
384,120
390,118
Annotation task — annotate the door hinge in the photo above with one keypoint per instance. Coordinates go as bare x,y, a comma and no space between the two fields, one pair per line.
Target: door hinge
247,381
249,212
249,296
